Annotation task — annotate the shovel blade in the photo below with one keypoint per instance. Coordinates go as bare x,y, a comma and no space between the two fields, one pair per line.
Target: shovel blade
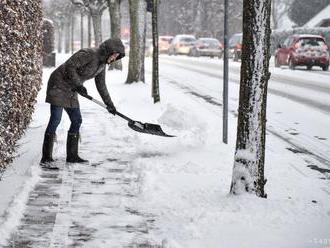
148,128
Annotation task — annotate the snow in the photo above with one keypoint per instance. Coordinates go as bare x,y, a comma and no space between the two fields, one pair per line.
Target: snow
19,179
182,182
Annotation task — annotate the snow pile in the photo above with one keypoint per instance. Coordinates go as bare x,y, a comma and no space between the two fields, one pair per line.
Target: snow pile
185,124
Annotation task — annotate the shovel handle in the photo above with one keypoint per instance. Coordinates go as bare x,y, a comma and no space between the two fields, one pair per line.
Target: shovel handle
105,106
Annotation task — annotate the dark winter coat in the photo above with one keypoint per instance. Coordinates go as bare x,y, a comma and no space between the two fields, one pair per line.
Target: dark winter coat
83,65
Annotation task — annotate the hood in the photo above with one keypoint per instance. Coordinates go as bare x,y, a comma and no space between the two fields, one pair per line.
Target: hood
111,46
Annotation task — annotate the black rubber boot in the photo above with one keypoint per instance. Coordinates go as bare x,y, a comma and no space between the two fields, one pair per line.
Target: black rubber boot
72,149
47,148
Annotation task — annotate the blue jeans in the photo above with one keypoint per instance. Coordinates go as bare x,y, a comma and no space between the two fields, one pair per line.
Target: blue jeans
56,115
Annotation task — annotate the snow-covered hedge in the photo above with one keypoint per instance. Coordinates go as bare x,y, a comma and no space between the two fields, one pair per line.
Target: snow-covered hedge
20,70
278,36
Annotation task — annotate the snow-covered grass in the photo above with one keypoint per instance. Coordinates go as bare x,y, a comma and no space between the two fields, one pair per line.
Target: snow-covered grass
185,180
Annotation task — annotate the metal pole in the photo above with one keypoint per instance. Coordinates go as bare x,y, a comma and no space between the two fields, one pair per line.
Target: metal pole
225,77
155,55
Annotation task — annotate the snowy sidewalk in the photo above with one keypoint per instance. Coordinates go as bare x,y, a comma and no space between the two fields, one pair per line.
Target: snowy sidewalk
81,203
94,203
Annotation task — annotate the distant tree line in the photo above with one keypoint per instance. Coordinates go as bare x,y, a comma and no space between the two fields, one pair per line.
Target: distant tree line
199,17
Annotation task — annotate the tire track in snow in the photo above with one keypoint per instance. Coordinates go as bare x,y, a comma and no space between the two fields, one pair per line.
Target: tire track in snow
316,153
308,102
278,78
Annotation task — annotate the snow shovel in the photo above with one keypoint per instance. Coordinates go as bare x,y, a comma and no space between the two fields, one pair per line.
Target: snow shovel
135,125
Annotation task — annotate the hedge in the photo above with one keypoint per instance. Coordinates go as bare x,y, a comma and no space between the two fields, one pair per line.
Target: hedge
20,70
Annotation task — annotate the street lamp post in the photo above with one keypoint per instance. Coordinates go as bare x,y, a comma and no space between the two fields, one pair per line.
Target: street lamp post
225,77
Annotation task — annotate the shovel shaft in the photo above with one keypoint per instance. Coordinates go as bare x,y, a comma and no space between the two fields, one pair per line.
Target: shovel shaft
105,106
135,125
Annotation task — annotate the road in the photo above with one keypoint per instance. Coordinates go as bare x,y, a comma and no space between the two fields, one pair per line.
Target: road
298,101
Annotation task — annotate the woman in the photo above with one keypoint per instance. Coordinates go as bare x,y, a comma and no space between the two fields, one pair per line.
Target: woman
64,84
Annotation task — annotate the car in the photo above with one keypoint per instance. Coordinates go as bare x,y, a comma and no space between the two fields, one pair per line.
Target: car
207,47
235,46
181,44
164,43
303,50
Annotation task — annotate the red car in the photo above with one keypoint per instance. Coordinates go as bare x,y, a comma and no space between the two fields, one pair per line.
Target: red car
303,50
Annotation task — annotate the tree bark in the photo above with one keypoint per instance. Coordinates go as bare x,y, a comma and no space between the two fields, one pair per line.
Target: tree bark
97,25
67,35
155,69
81,29
115,18
60,37
72,32
89,30
137,9
248,171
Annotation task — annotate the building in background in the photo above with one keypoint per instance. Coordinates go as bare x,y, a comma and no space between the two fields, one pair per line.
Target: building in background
322,19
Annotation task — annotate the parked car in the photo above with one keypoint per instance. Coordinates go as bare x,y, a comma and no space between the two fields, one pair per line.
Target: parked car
181,44
164,43
235,46
207,47
303,50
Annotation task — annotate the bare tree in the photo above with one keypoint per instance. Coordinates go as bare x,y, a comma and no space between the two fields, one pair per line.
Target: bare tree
199,17
59,12
137,10
67,34
115,19
248,171
280,8
95,8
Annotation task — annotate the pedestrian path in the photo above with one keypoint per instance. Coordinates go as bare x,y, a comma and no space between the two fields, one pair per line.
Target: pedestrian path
89,205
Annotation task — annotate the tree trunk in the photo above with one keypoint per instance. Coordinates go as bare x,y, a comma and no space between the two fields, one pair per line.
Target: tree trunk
274,16
81,29
89,30
248,171
97,25
72,33
137,10
67,34
155,69
115,18
60,37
